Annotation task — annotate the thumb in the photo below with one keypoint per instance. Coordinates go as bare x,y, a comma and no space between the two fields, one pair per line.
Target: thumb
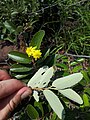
20,95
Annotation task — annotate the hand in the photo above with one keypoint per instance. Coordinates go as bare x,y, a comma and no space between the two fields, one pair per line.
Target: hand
12,91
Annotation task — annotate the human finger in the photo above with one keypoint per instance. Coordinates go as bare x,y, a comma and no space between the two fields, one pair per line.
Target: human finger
4,75
13,101
10,86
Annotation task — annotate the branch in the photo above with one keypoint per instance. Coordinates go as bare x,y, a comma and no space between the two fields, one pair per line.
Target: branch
79,56
52,5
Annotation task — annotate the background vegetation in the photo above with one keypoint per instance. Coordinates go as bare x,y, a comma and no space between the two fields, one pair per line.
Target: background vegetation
67,30
66,23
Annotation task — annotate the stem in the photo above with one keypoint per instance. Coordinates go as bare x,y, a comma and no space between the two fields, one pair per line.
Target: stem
52,88
41,89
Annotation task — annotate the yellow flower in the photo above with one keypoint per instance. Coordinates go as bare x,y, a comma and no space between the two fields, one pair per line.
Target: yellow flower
30,50
36,54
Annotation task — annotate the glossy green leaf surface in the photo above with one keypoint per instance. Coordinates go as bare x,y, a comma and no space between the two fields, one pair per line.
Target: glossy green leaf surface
87,90
19,57
64,66
77,68
19,68
73,63
86,76
54,102
67,81
86,100
32,113
72,95
46,54
39,106
10,26
37,39
21,76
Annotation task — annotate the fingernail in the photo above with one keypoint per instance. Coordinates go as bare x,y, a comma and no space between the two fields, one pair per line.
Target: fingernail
25,94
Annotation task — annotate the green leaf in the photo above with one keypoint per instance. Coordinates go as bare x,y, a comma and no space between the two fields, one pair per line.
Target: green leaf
19,29
87,90
34,81
80,59
55,103
19,68
9,26
86,100
32,113
19,57
53,116
67,81
62,65
46,54
77,68
85,75
37,39
39,106
72,95
4,30
73,63
50,60
14,13
89,71
21,76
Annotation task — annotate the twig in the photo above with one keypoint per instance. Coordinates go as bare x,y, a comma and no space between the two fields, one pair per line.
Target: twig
42,9
50,6
79,56
76,3
3,63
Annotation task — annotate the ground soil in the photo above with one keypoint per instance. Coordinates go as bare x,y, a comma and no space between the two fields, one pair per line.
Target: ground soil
5,47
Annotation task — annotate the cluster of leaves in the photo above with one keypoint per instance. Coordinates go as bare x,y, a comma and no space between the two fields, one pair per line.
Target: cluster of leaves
15,18
51,83
67,22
